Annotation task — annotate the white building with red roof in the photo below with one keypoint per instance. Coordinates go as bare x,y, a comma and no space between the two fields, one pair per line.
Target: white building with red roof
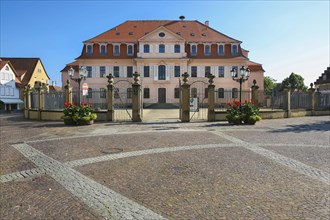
161,51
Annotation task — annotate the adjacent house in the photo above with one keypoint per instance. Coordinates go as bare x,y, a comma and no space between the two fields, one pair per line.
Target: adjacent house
29,72
161,51
323,82
9,90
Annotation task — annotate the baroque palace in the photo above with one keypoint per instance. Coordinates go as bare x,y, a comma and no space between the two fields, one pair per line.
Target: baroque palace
161,51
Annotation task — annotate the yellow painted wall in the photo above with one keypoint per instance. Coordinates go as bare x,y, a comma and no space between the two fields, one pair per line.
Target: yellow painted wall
39,76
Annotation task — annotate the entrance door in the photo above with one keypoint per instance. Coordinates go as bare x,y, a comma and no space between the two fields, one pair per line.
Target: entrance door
161,95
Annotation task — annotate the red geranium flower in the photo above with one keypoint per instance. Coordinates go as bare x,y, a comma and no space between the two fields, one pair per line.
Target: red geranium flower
229,104
238,103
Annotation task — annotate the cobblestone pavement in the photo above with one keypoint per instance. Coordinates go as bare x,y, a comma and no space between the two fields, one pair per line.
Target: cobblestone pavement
277,169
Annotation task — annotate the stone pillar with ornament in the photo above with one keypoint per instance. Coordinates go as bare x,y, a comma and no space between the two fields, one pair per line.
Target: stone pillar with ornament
185,99
136,98
27,100
68,91
211,99
312,99
110,86
255,97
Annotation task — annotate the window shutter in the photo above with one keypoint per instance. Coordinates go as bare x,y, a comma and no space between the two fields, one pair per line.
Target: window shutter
155,72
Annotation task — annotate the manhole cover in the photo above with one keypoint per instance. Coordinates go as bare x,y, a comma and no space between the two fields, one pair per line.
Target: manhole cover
112,150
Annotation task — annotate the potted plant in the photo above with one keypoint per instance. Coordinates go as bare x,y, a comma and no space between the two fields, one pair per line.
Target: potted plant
82,114
238,113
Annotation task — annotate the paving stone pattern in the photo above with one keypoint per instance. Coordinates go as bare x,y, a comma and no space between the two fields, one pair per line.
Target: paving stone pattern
158,171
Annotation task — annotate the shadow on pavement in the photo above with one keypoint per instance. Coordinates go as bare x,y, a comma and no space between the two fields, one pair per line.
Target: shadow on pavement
320,126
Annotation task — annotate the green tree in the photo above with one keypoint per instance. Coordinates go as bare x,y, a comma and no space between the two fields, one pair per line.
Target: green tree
294,82
269,84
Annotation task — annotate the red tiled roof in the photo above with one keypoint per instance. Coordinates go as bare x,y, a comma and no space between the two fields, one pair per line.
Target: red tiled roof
24,65
131,31
253,66
74,65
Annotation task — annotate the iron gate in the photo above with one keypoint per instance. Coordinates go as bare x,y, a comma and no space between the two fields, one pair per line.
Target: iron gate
122,103
198,100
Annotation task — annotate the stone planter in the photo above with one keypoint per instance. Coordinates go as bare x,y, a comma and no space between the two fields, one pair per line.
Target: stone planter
85,122
69,121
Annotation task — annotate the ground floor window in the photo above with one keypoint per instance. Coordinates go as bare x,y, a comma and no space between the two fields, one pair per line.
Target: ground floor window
146,93
176,93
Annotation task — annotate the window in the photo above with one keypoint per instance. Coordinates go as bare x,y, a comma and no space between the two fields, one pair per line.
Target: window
221,71
193,50
221,93
116,93
206,93
161,72
146,93
194,71
89,50
235,68
129,71
103,93
176,93
234,93
193,93
116,50
89,71
146,71
129,93
130,50
207,50
90,93
207,71
161,34
177,48
146,48
103,50
161,48
221,50
116,71
102,71
234,50
177,71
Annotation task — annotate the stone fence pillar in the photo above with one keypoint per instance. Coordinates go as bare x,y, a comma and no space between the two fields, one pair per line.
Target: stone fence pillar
287,102
111,112
211,99
27,101
40,100
185,99
68,91
136,98
255,96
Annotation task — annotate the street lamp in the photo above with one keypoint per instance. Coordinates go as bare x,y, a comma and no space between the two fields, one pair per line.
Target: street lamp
240,77
82,76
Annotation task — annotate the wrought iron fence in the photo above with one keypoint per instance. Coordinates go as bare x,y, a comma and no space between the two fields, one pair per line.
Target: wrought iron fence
222,97
300,100
98,99
322,100
54,100
34,100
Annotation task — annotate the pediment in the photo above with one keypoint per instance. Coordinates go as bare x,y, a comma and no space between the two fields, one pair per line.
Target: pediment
161,34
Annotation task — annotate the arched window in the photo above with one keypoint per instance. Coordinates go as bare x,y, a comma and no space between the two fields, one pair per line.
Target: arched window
130,50
89,50
103,50
207,50
234,50
146,48
221,50
161,48
116,50
235,93
161,72
193,50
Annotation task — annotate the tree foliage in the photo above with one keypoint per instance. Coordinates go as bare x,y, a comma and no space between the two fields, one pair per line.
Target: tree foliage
269,84
294,82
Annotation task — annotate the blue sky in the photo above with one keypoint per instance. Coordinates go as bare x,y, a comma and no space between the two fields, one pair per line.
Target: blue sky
284,36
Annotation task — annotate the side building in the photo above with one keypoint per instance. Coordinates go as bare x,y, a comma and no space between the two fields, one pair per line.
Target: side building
161,51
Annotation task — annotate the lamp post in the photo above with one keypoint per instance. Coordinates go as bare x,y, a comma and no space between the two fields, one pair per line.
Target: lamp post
240,77
82,76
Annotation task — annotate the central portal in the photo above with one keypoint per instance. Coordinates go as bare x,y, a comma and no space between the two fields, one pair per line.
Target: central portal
161,95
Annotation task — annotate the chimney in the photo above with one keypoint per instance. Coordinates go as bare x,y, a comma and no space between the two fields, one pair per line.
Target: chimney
207,23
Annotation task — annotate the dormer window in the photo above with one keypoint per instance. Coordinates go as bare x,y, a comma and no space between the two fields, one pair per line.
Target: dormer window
89,50
221,50
116,50
207,50
193,50
234,49
161,48
146,48
103,50
130,50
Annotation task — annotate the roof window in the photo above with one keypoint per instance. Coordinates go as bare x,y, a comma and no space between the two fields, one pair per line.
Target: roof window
192,34
130,33
203,34
178,33
118,33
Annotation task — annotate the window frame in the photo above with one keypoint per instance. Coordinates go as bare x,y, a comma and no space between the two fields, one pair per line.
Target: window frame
223,50
221,71
177,71
207,71
129,74
177,48
103,53
221,93
234,92
103,93
146,48
115,52
130,46
232,49
193,73
161,48
89,70
192,52
176,93
146,93
115,72
146,71
89,49
207,52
